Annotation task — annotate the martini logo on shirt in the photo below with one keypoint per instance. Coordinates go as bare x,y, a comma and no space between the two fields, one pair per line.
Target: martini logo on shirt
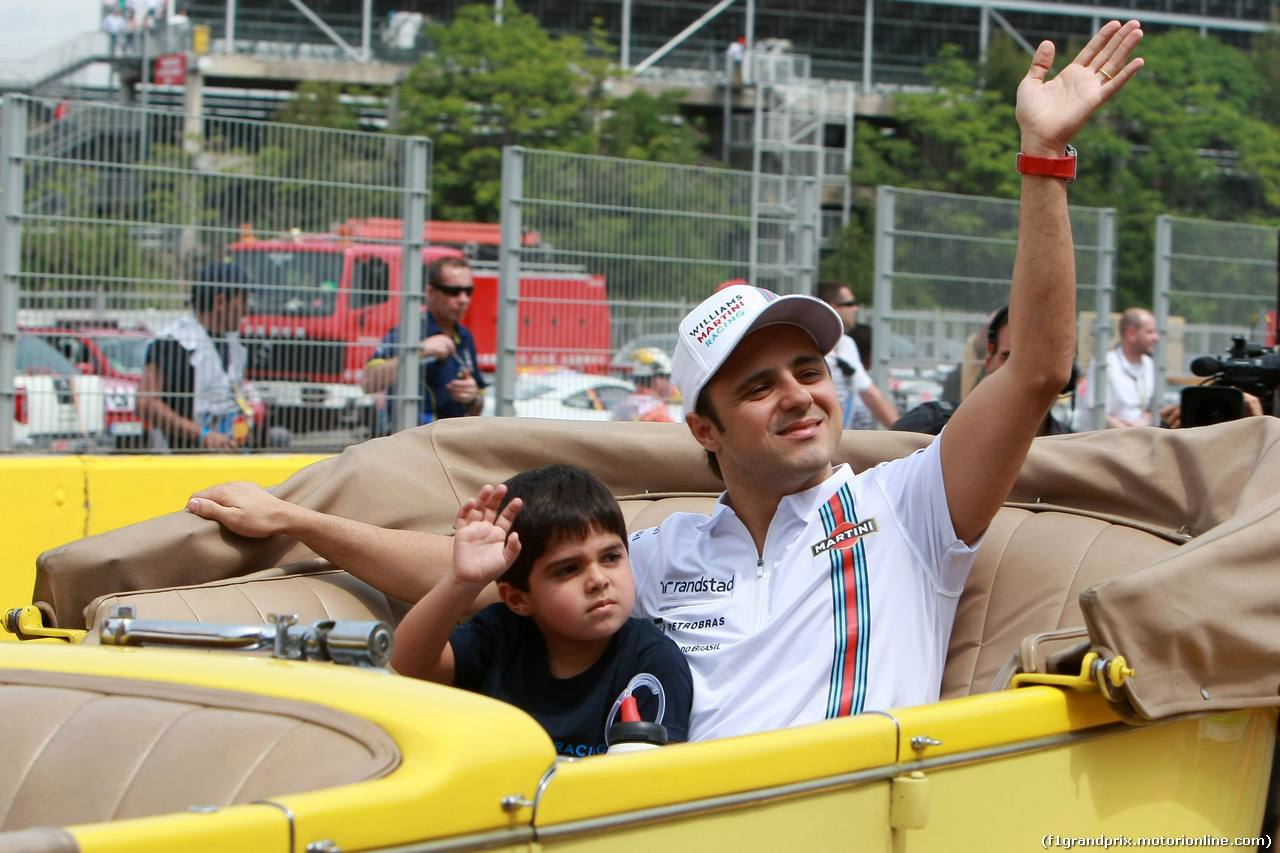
845,536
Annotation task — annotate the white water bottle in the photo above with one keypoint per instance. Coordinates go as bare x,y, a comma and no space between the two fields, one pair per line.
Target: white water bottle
630,733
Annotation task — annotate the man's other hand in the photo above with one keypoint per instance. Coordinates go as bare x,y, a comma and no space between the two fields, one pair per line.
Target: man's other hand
437,346
243,508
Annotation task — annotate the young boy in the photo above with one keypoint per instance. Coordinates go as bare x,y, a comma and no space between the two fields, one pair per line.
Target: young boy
561,646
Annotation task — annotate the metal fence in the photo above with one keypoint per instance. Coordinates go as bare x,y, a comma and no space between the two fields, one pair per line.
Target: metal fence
1213,281
109,215
943,263
602,257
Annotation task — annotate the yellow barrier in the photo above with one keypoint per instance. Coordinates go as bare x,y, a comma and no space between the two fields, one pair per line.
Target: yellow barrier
46,501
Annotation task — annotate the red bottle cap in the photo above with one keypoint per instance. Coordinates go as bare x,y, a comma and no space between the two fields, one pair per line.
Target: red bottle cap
629,713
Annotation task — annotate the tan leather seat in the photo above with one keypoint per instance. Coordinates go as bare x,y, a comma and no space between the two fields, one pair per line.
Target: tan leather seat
1026,580
83,749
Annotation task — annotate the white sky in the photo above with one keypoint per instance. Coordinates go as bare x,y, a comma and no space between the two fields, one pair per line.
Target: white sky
34,25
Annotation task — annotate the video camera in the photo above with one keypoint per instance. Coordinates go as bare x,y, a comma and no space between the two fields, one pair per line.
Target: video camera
1248,368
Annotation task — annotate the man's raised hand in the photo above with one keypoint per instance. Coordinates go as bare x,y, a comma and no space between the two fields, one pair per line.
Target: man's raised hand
1051,111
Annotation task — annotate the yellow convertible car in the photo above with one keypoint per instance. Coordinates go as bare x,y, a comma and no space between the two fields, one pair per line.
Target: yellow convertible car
1112,679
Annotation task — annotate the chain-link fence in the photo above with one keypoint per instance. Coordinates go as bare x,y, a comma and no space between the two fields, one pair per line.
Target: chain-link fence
112,215
1213,281
944,263
602,257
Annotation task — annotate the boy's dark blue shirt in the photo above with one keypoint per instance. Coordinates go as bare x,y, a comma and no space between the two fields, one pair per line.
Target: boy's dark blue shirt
503,655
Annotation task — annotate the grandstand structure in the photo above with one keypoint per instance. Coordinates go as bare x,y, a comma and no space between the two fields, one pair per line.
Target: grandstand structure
812,67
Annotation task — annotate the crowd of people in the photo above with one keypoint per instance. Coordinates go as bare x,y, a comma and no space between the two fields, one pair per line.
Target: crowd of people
810,592
124,20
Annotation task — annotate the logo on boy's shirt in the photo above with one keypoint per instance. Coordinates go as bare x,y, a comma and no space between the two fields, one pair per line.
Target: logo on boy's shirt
580,750
844,536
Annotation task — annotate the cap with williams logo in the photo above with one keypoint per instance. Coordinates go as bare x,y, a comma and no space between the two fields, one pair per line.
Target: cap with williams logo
710,332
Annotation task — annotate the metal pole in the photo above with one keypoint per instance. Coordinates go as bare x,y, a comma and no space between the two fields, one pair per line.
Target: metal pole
807,215
509,279
749,32
1160,307
13,145
881,345
229,40
685,33
1104,297
408,389
753,249
144,80
625,55
984,42
868,27
366,28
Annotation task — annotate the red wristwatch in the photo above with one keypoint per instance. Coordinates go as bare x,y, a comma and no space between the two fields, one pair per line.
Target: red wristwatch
1053,167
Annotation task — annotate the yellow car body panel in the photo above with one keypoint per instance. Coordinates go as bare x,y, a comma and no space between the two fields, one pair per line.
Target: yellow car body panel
1011,769
50,500
461,753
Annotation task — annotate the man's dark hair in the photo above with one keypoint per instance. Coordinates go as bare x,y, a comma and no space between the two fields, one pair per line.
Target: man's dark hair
999,320
829,291
217,279
705,409
560,502
435,271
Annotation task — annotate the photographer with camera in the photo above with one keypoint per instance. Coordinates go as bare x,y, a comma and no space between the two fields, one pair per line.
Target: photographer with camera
1242,385
1131,375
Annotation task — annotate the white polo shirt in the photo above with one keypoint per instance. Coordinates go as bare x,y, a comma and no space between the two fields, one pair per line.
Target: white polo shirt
848,609
1131,388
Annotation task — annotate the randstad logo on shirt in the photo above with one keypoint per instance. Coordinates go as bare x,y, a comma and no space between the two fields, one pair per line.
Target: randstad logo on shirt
710,327
845,536
699,585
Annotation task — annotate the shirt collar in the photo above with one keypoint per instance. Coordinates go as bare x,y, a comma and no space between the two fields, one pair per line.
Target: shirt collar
802,504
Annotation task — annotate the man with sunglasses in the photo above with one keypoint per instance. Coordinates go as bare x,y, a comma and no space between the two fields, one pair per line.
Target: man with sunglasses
860,399
452,386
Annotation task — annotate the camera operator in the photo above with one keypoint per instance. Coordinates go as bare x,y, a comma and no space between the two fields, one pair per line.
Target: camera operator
1242,385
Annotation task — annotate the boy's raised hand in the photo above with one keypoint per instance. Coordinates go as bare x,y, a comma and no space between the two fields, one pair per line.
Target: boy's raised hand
483,545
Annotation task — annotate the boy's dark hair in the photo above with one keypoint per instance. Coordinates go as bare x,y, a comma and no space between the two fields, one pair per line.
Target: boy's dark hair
560,502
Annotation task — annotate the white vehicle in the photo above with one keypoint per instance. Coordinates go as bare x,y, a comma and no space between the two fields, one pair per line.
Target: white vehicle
565,395
56,406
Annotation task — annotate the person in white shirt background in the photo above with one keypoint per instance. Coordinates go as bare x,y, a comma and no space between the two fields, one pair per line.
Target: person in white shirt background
860,398
1131,375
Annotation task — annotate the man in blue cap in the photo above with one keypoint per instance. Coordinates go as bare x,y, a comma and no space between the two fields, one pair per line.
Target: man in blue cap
193,391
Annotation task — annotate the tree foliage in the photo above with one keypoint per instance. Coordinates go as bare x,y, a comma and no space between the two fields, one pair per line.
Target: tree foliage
486,86
319,104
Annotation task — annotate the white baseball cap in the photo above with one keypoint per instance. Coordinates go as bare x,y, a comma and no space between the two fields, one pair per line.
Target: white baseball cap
711,332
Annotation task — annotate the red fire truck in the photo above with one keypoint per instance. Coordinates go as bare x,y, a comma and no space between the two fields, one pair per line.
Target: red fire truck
324,303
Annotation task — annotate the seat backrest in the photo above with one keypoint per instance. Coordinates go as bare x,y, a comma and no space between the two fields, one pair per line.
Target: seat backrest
321,593
1027,579
85,749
